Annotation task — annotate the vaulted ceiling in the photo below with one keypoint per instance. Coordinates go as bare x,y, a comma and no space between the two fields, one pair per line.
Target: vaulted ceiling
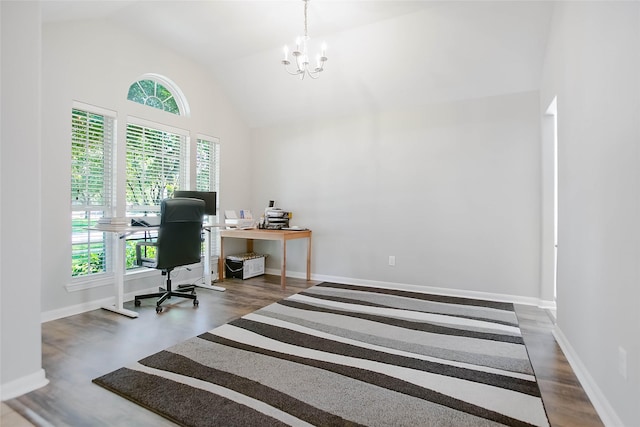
382,54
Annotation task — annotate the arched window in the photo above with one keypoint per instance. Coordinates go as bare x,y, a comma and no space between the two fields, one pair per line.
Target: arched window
158,92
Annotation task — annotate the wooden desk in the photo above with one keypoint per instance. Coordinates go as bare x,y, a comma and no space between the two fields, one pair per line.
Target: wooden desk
258,234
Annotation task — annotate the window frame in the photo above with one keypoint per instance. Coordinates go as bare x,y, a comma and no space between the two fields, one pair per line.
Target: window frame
108,201
169,85
213,182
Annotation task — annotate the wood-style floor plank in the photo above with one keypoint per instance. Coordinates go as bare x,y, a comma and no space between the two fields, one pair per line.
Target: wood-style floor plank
78,348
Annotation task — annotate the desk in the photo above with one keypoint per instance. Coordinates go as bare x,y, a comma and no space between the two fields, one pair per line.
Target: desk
259,234
206,273
119,233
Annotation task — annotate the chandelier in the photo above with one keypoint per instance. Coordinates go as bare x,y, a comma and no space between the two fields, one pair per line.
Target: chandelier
301,56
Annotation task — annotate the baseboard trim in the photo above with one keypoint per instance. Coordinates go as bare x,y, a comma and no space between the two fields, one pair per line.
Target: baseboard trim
600,403
23,385
418,288
72,310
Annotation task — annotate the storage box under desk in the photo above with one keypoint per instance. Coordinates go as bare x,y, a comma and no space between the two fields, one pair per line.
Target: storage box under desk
244,266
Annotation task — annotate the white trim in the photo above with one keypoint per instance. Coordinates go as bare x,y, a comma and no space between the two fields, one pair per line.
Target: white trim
88,282
415,288
78,105
600,403
81,308
72,310
207,138
138,121
547,305
178,95
23,385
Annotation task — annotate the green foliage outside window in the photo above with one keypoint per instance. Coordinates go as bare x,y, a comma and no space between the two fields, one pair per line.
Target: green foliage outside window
91,136
153,94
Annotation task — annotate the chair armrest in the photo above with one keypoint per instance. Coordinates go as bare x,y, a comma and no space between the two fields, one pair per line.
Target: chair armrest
142,261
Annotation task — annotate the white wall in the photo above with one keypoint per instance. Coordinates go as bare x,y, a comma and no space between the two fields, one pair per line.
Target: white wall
451,190
95,63
593,66
20,228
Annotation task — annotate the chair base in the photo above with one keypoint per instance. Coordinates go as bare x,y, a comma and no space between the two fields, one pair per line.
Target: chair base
167,293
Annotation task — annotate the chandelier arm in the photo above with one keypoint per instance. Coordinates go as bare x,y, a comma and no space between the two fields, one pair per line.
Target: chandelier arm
286,68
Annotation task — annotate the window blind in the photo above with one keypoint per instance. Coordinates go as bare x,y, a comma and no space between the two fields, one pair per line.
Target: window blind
207,165
92,139
91,160
208,176
156,166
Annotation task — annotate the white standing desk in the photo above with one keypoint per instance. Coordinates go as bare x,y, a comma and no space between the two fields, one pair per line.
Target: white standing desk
119,233
206,276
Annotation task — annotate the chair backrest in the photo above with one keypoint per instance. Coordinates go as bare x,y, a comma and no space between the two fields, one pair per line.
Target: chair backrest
179,236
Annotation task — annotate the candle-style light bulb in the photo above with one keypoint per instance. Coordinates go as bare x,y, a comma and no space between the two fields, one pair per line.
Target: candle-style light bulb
286,53
298,44
324,49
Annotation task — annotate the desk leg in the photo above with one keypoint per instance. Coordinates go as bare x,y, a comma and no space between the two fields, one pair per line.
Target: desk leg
221,261
283,265
119,244
309,258
206,276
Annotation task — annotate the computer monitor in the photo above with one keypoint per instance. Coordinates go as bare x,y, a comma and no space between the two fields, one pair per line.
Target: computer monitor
209,198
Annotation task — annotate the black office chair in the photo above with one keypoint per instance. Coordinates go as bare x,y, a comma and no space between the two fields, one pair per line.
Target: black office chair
178,243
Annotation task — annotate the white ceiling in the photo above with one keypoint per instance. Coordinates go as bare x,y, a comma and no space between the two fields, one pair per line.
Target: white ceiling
382,54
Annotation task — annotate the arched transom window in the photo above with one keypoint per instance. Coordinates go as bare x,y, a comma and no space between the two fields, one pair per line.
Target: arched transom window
158,92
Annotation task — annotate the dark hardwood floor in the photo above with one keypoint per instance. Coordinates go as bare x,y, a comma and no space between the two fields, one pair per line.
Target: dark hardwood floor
79,348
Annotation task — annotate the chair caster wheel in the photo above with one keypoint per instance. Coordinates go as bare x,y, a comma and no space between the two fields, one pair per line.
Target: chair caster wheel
158,309
137,303
196,302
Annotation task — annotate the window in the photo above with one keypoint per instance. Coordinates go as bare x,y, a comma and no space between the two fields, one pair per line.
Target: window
154,162
159,92
91,189
153,94
156,166
207,164
208,176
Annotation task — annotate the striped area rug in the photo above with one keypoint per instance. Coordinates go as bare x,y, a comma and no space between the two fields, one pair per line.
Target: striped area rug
346,355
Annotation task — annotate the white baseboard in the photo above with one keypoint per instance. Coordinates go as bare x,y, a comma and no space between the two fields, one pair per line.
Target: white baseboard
75,309
600,403
547,305
95,304
23,385
419,288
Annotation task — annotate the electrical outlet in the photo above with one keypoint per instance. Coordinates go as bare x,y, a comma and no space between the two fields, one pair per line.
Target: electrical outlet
392,260
622,362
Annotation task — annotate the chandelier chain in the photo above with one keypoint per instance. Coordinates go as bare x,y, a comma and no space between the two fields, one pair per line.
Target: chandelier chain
300,56
306,3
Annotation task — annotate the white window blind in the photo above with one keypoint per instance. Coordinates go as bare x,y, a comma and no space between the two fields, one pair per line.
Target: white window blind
156,166
92,137
208,178
207,165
